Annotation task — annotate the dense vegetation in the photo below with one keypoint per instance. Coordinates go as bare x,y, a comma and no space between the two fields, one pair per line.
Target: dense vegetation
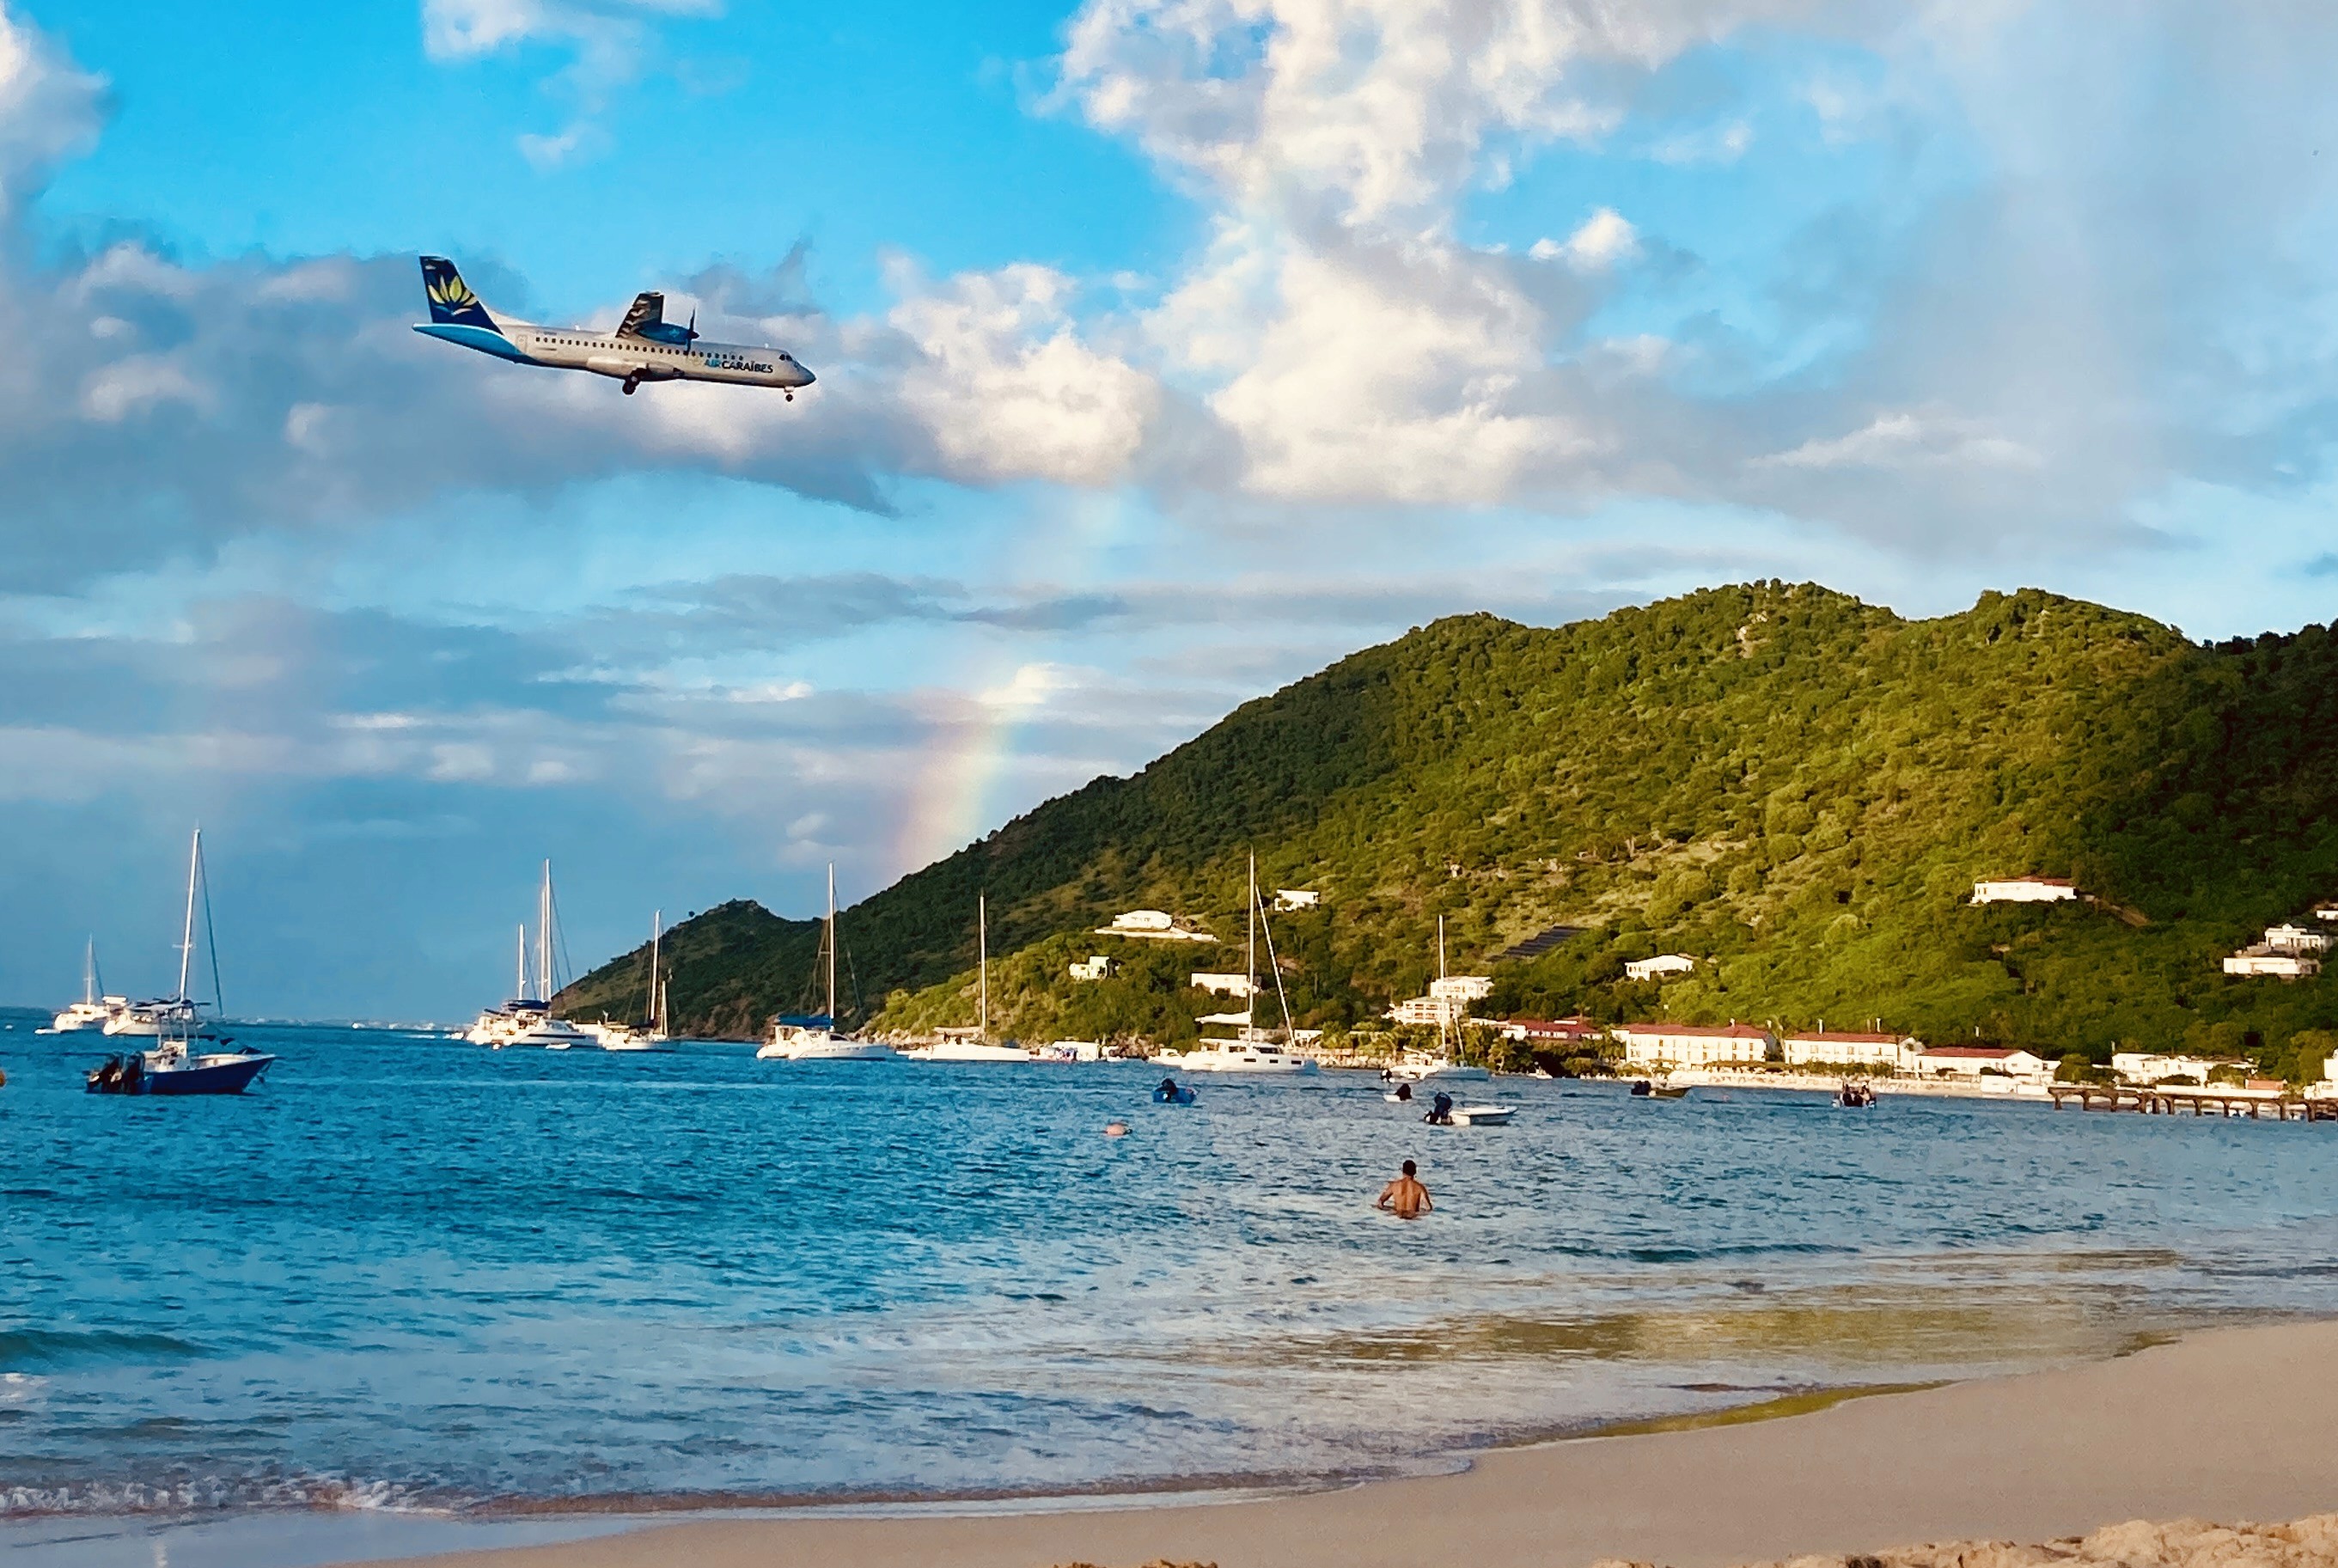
1795,788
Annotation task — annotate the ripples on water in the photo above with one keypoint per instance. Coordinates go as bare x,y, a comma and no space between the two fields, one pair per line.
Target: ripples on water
411,1272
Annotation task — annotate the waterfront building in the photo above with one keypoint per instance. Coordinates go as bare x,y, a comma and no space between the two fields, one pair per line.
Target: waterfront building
1288,898
1152,924
1973,1060
1574,1030
1097,966
2024,890
1838,1047
1693,1045
2145,1068
1241,986
1662,964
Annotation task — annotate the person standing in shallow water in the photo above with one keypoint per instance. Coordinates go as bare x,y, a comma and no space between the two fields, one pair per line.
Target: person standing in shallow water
1405,1197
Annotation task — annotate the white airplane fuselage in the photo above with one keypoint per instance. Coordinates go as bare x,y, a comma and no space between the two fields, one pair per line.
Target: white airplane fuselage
626,358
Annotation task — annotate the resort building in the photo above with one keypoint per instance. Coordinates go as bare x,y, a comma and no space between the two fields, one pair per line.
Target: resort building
1434,1011
2326,912
1287,898
1462,988
2145,1068
2266,960
1974,1060
1097,966
2295,939
1576,1030
2025,890
1152,924
1836,1048
1663,964
1693,1045
1241,986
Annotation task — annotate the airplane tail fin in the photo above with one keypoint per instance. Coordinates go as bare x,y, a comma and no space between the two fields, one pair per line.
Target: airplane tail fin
452,303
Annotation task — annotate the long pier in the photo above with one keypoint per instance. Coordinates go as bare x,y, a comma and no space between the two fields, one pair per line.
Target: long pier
2170,1101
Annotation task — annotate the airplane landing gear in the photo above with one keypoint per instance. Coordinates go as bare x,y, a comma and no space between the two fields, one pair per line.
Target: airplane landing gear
632,383
791,396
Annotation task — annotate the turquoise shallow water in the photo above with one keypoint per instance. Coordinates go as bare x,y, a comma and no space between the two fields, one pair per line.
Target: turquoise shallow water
411,1274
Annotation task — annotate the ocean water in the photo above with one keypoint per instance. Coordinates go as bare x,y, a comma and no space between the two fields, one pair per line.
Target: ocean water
411,1275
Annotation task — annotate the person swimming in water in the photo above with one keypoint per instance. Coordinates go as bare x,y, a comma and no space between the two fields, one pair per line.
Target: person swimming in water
1405,1197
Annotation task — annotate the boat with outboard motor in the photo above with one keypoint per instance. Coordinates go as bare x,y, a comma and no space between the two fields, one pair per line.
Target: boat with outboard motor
189,1056
813,1037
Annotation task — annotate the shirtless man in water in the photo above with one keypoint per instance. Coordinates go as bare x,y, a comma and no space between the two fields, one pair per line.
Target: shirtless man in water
1405,1197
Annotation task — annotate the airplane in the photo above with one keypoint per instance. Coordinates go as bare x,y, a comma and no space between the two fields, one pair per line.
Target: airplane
645,347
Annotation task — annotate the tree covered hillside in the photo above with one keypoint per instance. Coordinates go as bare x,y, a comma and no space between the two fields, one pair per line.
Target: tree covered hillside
1797,788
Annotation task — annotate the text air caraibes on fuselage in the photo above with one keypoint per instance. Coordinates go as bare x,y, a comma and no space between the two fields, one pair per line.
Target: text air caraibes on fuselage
645,347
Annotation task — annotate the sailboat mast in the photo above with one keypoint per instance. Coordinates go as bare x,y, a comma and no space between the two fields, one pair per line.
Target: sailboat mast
982,952
187,933
520,963
543,937
1443,1001
1250,955
89,974
657,1008
831,946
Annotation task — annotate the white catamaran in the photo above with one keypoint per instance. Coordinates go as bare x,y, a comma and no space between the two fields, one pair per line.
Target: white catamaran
1254,1049
527,1019
94,1007
796,1038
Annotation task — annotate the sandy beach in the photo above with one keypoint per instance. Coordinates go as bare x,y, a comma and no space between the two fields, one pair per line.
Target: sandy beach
2232,1425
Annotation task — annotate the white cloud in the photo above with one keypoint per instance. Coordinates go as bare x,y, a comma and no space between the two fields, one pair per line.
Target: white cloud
609,43
1606,237
1006,388
1907,441
132,385
49,108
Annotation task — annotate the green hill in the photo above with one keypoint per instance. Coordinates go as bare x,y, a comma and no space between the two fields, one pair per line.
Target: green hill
1796,789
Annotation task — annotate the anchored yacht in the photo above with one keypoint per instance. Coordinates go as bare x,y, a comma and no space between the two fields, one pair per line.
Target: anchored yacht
813,1037
1254,1049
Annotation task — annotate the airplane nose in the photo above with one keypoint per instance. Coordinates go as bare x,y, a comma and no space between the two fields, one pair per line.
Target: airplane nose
808,377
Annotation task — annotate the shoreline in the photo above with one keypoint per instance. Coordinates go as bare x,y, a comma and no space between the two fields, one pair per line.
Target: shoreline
2228,1424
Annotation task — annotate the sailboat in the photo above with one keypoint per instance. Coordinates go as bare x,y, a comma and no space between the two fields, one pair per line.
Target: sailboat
527,1018
94,1008
1253,1050
1447,1063
188,1057
953,1047
796,1038
617,1036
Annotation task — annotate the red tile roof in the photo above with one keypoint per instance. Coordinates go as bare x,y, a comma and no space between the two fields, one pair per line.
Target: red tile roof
1715,1031
1836,1036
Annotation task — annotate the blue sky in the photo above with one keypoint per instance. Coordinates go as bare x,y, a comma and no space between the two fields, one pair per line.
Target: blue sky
1169,349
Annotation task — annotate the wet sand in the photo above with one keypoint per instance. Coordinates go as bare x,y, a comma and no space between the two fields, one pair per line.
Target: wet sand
2233,1424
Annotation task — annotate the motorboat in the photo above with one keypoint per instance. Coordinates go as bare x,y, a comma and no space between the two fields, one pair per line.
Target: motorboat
1483,1115
813,1038
1855,1095
551,1033
1072,1051
189,1055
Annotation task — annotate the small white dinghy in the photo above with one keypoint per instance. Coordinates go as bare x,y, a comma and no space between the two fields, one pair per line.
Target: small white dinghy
1483,1115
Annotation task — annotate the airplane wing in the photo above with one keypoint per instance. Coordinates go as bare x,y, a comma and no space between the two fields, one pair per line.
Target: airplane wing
647,310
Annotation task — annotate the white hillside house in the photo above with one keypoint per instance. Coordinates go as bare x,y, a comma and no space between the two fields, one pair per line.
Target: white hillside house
1288,898
2295,939
1241,986
1462,988
1654,968
1095,966
1152,924
2263,960
2024,890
